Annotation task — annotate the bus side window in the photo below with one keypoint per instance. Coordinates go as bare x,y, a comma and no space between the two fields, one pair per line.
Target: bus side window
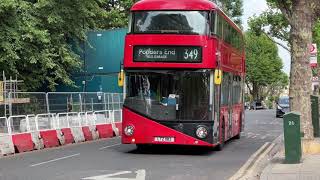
213,23
219,26
225,90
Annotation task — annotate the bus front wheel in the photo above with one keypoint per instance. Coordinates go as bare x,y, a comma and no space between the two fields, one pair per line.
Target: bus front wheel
221,144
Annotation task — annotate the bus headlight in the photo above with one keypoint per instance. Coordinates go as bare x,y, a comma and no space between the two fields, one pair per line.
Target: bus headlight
202,132
129,130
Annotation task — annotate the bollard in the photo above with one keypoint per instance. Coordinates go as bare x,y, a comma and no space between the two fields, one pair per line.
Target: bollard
315,115
292,138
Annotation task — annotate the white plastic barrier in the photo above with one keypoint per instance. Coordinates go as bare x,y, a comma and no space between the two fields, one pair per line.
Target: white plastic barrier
117,116
82,118
62,120
4,125
37,140
60,137
77,134
103,117
18,124
91,119
6,144
74,119
45,121
95,133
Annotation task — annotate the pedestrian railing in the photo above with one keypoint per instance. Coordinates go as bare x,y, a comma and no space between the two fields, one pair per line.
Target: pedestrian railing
53,121
103,117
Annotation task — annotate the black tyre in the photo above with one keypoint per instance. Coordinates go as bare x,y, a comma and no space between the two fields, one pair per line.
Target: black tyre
221,145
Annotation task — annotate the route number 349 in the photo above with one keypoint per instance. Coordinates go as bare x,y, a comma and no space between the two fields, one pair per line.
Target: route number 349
191,54
291,123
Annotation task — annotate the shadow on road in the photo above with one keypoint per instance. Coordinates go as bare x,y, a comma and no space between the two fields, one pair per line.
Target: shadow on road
173,150
178,149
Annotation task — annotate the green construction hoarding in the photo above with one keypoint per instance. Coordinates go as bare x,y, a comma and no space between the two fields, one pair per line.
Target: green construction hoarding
102,57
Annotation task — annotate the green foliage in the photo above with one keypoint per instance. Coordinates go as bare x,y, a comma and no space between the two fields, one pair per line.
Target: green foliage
233,8
263,64
276,23
35,36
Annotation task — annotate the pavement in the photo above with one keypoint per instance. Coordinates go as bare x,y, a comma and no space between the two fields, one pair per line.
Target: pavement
308,169
108,159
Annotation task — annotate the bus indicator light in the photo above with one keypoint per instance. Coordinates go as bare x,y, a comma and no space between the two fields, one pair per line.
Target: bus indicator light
217,76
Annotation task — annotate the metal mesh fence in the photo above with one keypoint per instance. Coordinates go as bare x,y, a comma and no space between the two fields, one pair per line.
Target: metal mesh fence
84,102
18,124
114,101
92,101
3,125
64,102
21,103
28,112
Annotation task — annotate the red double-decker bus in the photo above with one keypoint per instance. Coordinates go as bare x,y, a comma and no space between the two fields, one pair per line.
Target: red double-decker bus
184,69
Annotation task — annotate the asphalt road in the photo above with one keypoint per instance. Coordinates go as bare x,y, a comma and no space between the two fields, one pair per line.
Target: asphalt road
109,160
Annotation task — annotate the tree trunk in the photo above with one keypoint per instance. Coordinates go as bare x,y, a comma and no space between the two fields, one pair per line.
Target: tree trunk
255,91
301,74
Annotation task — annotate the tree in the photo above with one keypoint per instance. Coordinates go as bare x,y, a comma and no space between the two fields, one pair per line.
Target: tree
297,19
233,8
39,38
116,13
263,64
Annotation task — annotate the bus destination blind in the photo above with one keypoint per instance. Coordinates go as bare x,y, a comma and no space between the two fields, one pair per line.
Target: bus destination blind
174,54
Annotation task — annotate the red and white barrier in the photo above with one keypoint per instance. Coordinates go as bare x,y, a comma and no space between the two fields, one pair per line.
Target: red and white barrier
37,140
67,135
77,134
35,132
87,133
23,142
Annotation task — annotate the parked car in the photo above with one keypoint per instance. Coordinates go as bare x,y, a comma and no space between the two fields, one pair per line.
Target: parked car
256,105
283,106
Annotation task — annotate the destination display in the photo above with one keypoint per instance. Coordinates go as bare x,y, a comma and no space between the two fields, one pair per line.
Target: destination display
174,54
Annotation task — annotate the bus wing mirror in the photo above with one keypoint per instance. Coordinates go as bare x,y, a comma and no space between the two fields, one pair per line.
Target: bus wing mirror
217,77
121,78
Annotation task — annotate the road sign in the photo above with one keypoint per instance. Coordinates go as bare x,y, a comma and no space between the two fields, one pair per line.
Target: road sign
140,175
315,79
313,55
313,60
313,49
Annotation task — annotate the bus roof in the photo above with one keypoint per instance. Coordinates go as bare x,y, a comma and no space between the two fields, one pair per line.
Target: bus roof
173,5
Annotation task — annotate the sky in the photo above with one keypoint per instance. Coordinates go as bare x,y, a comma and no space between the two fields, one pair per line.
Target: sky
256,7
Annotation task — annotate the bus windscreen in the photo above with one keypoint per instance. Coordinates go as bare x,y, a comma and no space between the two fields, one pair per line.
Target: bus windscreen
171,22
169,95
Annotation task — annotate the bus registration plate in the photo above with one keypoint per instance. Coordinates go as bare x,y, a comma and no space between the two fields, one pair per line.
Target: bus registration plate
164,139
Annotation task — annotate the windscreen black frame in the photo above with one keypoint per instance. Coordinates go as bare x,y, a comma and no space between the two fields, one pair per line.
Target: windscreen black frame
174,31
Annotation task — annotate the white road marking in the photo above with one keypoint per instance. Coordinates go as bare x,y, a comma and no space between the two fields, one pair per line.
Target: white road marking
253,136
263,137
54,160
141,175
105,147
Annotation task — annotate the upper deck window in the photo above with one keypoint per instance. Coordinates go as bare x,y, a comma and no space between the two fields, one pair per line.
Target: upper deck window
171,22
